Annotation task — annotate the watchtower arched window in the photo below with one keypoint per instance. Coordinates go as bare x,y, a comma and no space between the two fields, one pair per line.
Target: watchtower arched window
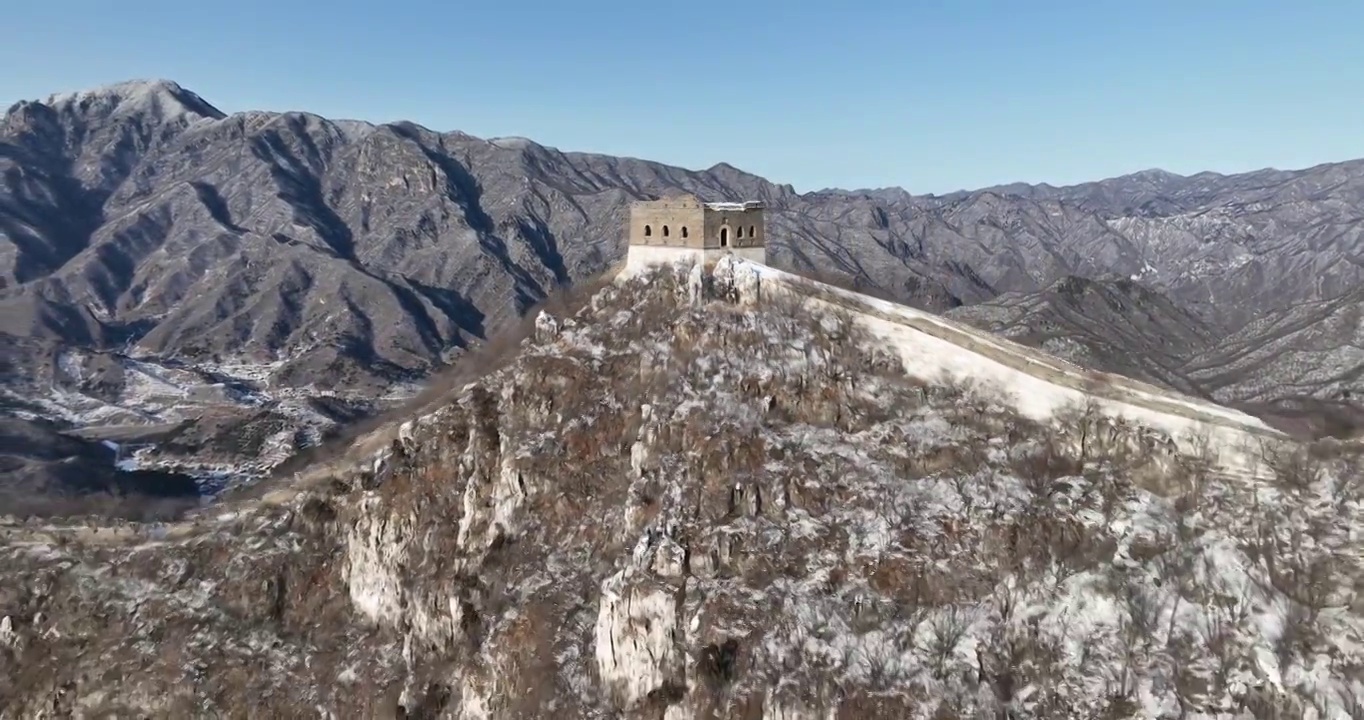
665,231
648,231
739,232
684,231
751,232
724,237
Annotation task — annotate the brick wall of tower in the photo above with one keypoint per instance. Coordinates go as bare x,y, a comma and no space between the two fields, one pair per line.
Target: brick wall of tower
743,228
673,222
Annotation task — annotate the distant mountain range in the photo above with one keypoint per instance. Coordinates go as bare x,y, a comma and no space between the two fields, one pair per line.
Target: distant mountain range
268,275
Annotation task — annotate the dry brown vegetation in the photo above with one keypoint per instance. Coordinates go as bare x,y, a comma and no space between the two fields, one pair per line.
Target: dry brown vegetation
101,507
830,533
470,364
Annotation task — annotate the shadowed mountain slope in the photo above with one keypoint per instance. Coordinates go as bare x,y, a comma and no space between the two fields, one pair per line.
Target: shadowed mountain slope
284,255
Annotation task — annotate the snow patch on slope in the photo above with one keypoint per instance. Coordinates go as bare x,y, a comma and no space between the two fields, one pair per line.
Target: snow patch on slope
161,98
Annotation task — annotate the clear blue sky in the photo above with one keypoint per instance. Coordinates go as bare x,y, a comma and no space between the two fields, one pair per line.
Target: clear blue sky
933,95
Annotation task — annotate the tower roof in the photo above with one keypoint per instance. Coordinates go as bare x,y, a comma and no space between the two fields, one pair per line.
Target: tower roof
745,205
688,199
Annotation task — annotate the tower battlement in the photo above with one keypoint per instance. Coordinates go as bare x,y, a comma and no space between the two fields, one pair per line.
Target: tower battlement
683,228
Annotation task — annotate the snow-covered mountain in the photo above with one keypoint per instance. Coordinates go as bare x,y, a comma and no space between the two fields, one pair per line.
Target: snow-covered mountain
734,493
280,271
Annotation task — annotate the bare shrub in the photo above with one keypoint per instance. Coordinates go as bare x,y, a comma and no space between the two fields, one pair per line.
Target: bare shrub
718,664
1052,541
1305,577
95,506
1138,625
1295,468
1174,570
1270,703
1081,425
1016,656
1218,634
1347,476
1190,685
1297,637
786,315
949,629
1039,469
1200,451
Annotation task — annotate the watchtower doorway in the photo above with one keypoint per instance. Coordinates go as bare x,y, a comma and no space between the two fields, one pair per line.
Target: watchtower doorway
724,237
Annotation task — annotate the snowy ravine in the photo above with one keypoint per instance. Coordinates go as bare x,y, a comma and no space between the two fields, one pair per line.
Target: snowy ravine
699,499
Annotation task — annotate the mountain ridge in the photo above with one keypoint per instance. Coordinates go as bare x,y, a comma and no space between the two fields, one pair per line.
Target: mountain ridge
290,254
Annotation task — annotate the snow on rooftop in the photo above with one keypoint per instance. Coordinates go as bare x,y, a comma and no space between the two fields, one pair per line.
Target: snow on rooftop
746,205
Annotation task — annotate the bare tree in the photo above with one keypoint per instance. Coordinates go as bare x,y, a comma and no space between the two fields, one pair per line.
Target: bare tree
1348,486
1138,625
1295,468
949,628
1198,462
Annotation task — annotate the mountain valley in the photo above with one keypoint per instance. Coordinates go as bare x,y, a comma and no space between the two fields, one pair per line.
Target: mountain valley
219,291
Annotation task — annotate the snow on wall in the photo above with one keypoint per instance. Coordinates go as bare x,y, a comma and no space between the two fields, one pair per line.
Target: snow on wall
643,257
1235,437
731,206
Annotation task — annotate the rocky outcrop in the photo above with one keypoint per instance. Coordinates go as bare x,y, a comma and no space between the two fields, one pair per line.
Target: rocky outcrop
710,504
639,646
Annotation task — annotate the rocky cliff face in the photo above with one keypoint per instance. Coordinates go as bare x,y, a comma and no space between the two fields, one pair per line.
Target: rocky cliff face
697,498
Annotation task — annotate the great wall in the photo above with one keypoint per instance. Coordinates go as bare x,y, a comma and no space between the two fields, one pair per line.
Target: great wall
731,238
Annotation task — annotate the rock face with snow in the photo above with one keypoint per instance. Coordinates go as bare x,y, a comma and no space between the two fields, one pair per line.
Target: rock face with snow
727,501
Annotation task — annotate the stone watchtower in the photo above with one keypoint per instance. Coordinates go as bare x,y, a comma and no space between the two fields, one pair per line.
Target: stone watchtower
685,229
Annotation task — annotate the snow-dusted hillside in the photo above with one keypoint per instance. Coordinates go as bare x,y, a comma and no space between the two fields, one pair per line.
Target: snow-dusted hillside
221,424
1034,383
720,495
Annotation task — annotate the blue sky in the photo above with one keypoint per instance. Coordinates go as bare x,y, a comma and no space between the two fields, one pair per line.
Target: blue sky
934,96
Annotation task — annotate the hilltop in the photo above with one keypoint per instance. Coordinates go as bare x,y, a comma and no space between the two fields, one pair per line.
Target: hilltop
729,494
